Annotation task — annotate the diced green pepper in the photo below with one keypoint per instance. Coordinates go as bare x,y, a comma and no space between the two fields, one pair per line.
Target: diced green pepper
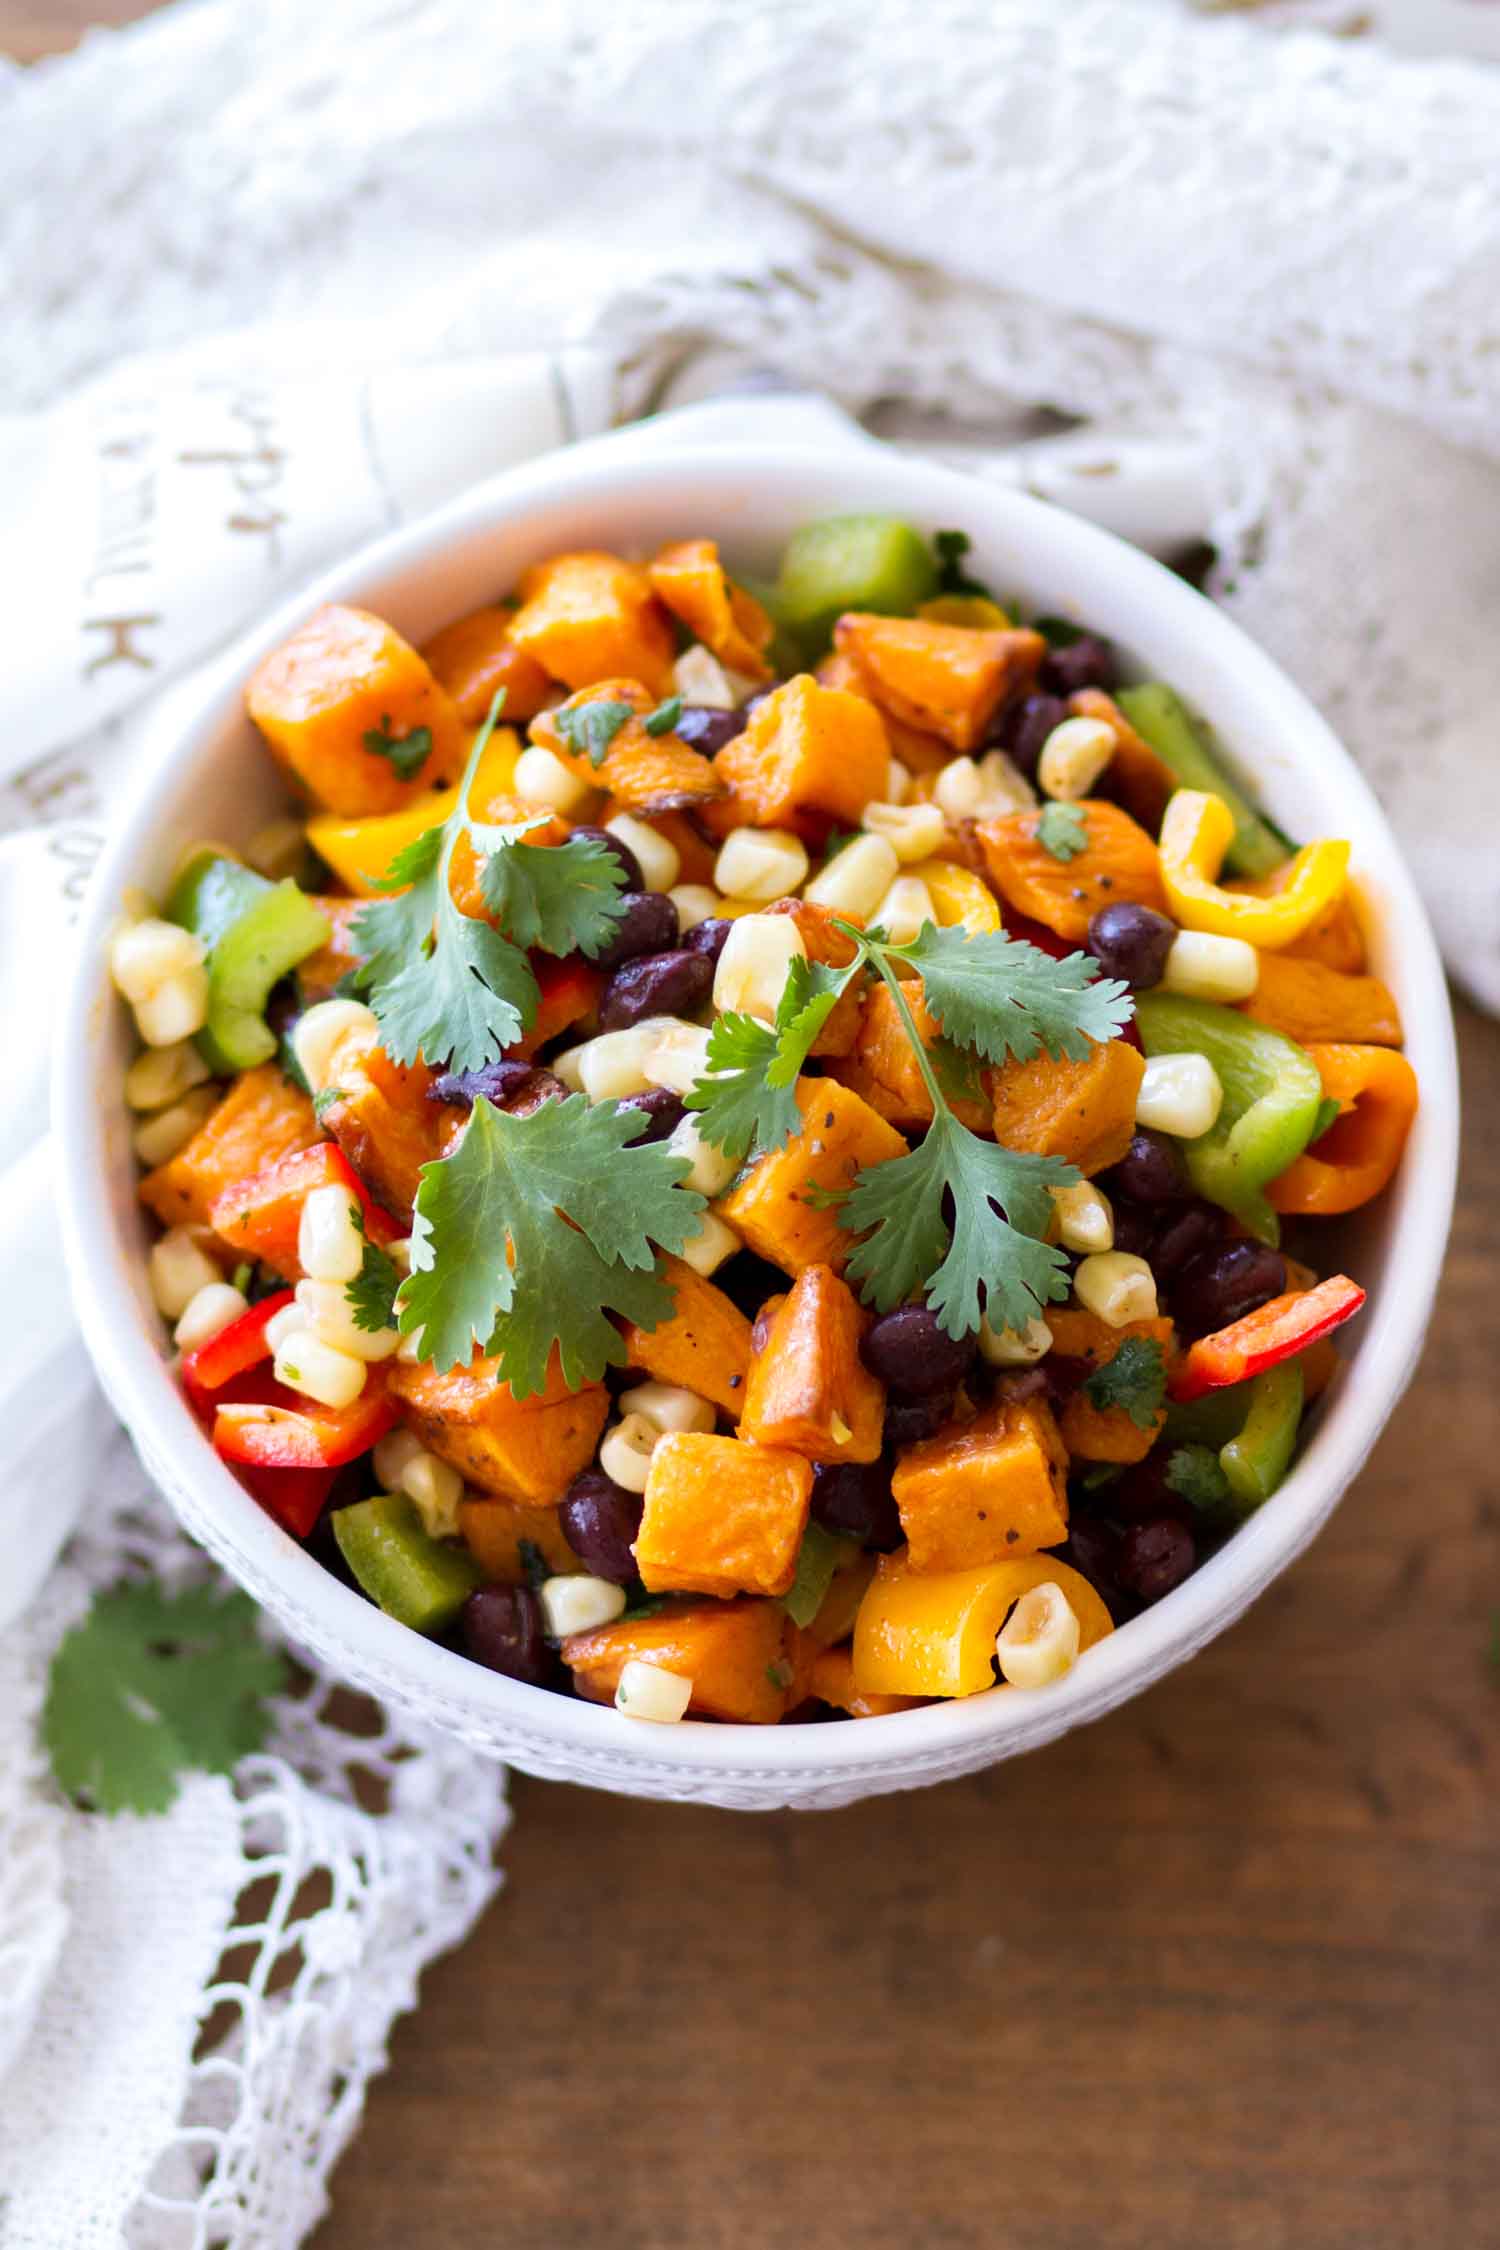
1211,1420
1272,1100
819,1556
1161,718
255,931
1256,1461
418,1580
850,562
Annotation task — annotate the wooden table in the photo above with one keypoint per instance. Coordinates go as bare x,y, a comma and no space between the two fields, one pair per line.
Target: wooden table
1219,1973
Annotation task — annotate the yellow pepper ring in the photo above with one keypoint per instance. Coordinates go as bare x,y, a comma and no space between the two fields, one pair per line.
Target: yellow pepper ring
959,896
934,1633
1196,833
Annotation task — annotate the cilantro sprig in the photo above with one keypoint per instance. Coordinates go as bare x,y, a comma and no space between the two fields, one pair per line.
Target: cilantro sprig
1135,1379
590,728
406,753
371,1295
1062,831
949,549
748,1099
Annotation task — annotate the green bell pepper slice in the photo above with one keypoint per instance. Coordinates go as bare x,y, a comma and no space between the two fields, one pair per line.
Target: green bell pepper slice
418,1580
820,1555
1273,1098
849,562
1257,1459
254,932
1162,719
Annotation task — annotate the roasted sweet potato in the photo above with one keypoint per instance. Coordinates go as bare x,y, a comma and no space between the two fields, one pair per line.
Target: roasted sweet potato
1119,862
342,677
809,1389
321,971
984,1491
643,772
474,658
528,1449
949,680
883,1069
731,624
771,1208
1143,780
1103,1433
588,616
704,1346
920,753
1315,1005
494,1532
731,1651
826,942
722,1517
1082,1111
262,1116
383,1120
807,748
830,1678
360,852
1335,938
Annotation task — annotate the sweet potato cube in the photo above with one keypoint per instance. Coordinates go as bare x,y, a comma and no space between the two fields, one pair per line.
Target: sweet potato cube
342,676
651,773
731,1651
704,1344
527,1449
1104,1433
474,658
826,943
588,616
807,749
731,624
383,1120
885,1070
809,1389
920,753
830,1678
262,1116
984,1491
1081,1111
322,971
772,1209
722,1517
1119,862
494,1532
1316,1005
1141,779
949,680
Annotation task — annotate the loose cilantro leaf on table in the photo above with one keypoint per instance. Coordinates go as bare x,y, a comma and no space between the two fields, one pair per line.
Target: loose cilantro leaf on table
1194,1474
748,1099
1062,831
152,1685
371,1295
407,753
1000,996
664,717
534,1230
1135,1379
590,728
949,549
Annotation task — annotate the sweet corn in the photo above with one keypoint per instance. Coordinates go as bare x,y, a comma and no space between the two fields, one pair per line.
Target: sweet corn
959,789
207,1311
907,905
1116,1285
1038,1642
752,969
278,850
857,878
625,1451
393,1456
1073,757
409,1350
318,1032
177,1268
1179,1094
329,1247
329,1314
699,677
305,1363
1203,967
542,781
761,864
695,903
650,1691
568,1066
613,1065
660,862
435,1488
706,1251
1005,787
678,1056
290,1321
668,1406
1014,1347
913,831
1084,1218
898,783
162,1075
710,1170
577,1603
161,1136
175,1010
146,954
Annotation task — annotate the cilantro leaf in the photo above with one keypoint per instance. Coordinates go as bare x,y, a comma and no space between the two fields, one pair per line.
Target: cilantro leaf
534,1564
1000,996
1062,831
949,549
747,1096
371,1295
325,1099
534,1230
152,1684
562,897
407,753
818,1558
590,728
1135,1379
664,717
1194,1474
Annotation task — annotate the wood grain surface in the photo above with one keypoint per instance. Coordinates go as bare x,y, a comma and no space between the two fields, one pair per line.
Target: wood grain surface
1219,1973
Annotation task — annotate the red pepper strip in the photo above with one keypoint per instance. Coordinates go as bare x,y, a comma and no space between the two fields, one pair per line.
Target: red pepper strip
294,1432
1278,1331
570,990
260,1216
236,1349
295,1497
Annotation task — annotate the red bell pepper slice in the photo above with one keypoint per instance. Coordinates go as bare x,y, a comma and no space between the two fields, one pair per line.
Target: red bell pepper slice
234,1351
295,1497
570,990
294,1432
260,1216
1277,1331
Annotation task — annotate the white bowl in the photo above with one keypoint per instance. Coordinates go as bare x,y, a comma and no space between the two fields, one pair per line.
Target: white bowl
208,777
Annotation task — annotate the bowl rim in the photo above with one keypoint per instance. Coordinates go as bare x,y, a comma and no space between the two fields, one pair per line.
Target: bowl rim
395,1661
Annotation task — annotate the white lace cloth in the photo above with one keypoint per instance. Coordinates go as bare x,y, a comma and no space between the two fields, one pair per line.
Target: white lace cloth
1263,272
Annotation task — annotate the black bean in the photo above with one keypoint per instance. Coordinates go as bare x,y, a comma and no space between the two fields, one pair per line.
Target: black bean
1142,1494
658,984
502,1629
587,833
1093,1549
1024,726
647,925
912,1355
496,1081
1088,662
709,938
1131,942
1185,1234
601,1521
1153,1170
708,729
1223,1285
1135,1229
664,1110
853,1500
909,1420
1154,1557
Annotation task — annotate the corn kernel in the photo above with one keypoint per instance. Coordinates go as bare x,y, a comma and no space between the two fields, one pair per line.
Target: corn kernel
393,1456
1116,1285
668,1406
305,1363
1179,1094
898,783
290,1321
678,1055
435,1488
1203,967
1005,788
329,1247
1084,1218
160,1137
547,785
625,1451
162,1075
659,861
706,1251
614,1064
568,1066
1073,757
146,954
577,1603
914,832
857,878
761,864
1014,1347
710,1170
1038,1642
695,903
959,789
700,678
175,1010
177,1268
904,910
316,1034
650,1691
330,1316
752,969
207,1312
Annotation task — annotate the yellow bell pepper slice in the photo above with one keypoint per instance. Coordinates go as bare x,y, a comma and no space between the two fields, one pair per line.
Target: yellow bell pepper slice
959,896
1196,832
976,611
934,1633
360,851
